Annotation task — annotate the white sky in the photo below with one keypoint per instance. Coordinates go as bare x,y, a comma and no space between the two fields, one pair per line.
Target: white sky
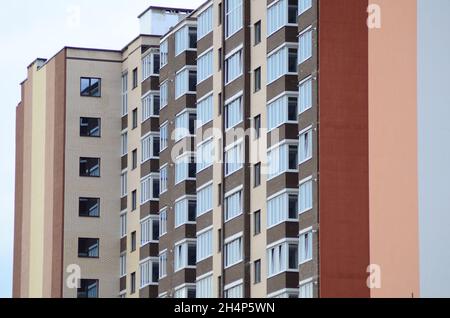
31,29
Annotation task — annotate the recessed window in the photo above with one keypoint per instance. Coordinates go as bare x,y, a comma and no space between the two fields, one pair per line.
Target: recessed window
88,247
282,208
133,242
133,283
135,78
88,288
134,159
185,39
135,118
257,78
134,200
305,247
257,175
257,32
257,124
233,16
89,207
90,127
185,255
89,167
233,66
257,267
90,87
257,222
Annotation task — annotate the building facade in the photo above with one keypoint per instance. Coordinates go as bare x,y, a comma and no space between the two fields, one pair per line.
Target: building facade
251,158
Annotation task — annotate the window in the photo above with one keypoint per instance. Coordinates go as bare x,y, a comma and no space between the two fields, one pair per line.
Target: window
185,292
305,246
305,95
164,136
149,272
185,212
233,17
219,240
134,159
205,155
134,200
89,207
90,87
205,66
233,205
205,22
282,159
204,245
185,125
233,159
164,94
306,290
292,11
133,283
220,14
257,78
304,5
149,231
164,51
282,110
282,258
150,65
89,167
257,273
123,184
257,175
233,113
205,111
258,32
185,255
163,264
234,292
135,118
281,13
185,82
233,252
305,46
150,188
219,194
123,225
88,288
88,247
281,208
163,179
257,121
133,241
219,103
123,265
257,222
90,127
124,94
305,196
162,222
205,287
220,55
281,62
150,147
124,143
204,200
305,146
233,66
135,78
185,39
185,169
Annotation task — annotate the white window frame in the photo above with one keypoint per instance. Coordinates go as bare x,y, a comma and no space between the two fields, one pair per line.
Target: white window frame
163,264
284,67
124,143
208,208
232,193
123,224
308,32
303,6
284,194
240,63
205,22
306,289
305,92
164,136
148,145
149,178
148,105
237,286
148,65
302,159
187,157
281,5
163,178
283,102
205,106
182,33
281,265
205,63
202,281
239,156
182,264
146,230
281,170
239,238
205,237
229,102
205,154
185,213
163,222
123,265
309,253
123,184
124,93
306,182
147,263
164,94
164,52
181,91
229,12
182,124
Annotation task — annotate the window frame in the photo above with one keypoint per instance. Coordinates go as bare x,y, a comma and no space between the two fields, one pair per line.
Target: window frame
90,85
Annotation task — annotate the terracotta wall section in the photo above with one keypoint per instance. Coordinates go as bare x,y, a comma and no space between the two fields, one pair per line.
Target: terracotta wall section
343,151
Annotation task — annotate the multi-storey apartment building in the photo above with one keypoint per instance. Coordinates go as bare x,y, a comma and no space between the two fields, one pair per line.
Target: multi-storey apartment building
251,136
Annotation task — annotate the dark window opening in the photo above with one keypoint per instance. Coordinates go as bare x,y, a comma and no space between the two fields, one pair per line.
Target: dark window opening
257,172
133,283
192,255
89,167
257,222
89,207
192,210
293,206
257,79
156,188
90,87
135,78
292,11
293,256
133,241
257,272
292,60
257,32
134,159
192,81
134,200
156,63
88,247
292,108
88,288
258,126
135,118
293,157
90,127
